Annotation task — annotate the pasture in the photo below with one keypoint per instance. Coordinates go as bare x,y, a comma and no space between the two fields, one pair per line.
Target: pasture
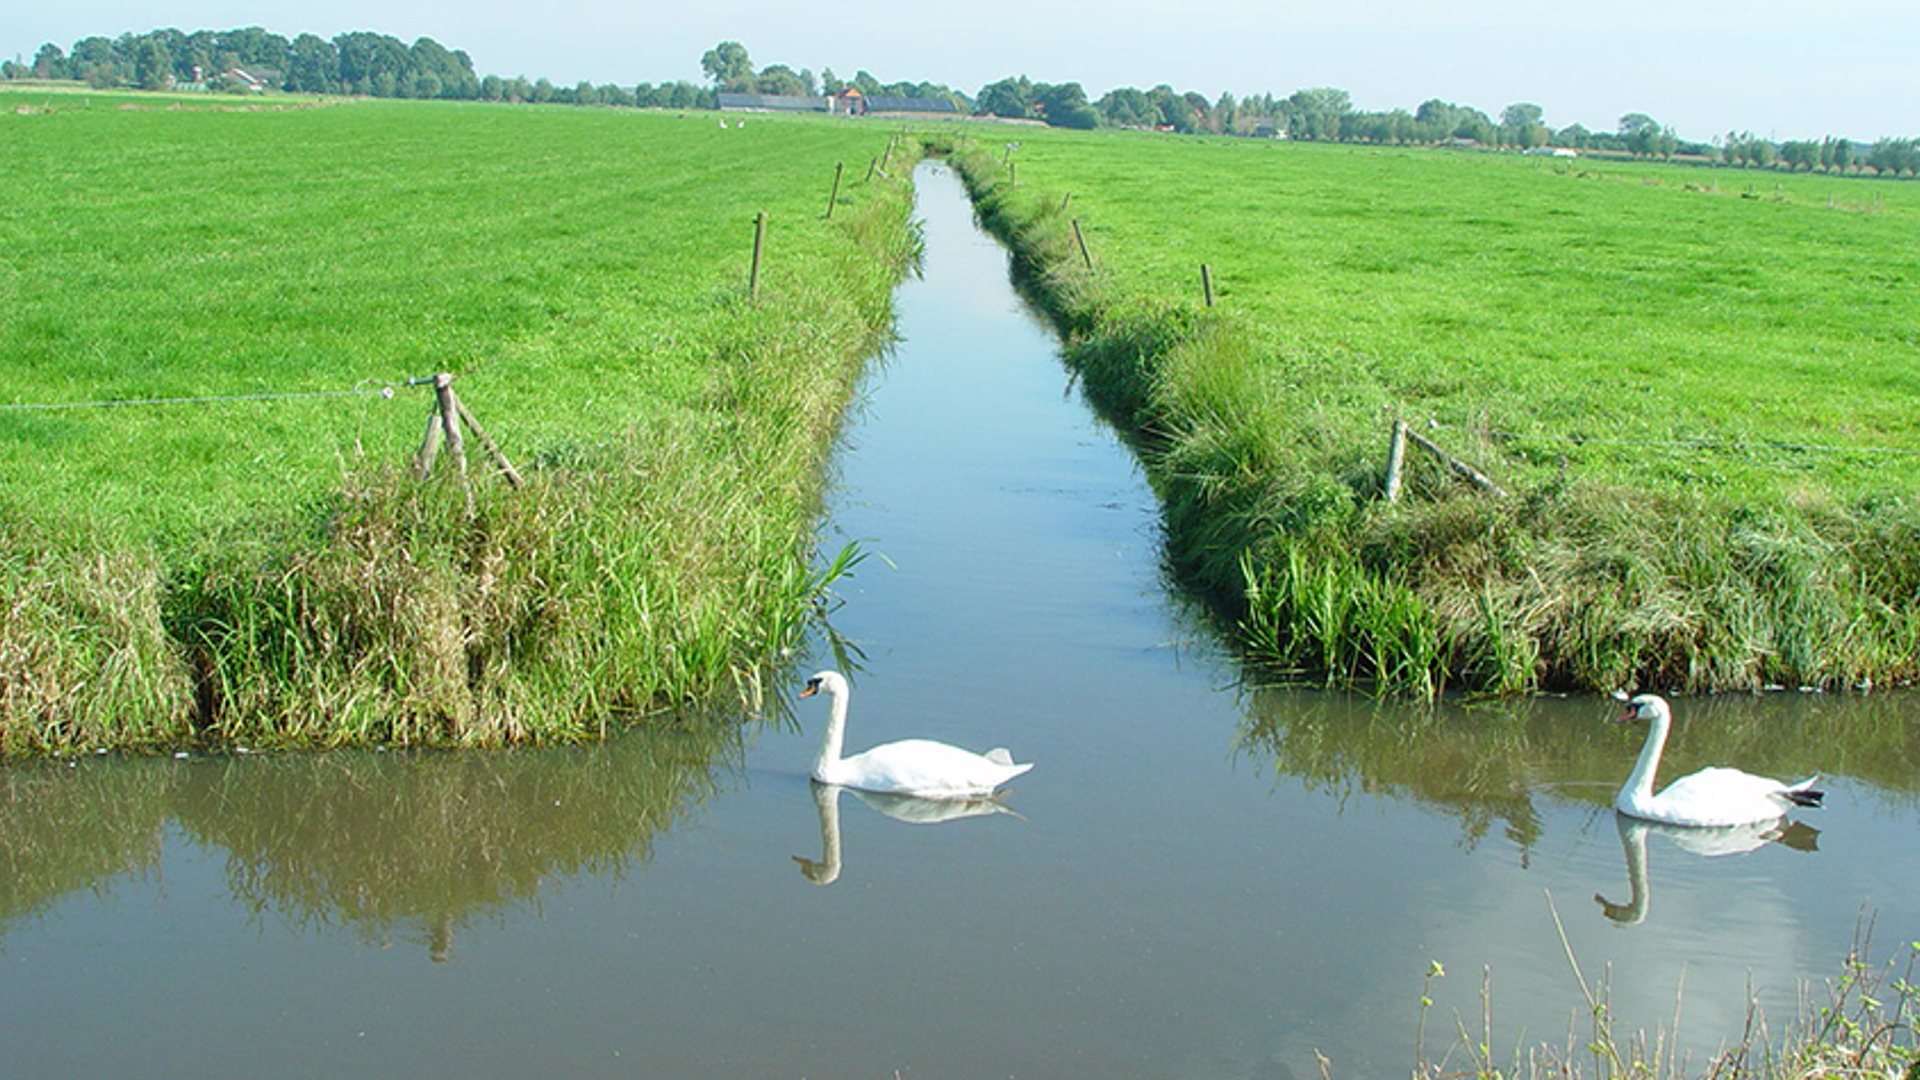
249,558
1698,385
575,268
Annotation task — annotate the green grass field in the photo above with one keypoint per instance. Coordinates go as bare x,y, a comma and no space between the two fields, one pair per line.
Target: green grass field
1700,387
1550,298
268,571
573,267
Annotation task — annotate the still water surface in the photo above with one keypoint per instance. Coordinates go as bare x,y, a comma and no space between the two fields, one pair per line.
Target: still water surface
1196,879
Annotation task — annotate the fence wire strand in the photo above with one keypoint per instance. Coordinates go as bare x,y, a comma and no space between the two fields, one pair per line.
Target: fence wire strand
363,389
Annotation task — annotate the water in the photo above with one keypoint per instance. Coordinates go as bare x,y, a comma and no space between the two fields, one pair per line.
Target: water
1198,880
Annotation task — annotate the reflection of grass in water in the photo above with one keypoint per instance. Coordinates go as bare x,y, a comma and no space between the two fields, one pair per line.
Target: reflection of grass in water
69,827
1484,763
1863,1025
373,840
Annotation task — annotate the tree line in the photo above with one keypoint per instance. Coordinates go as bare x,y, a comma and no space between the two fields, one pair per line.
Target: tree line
731,70
379,65
360,62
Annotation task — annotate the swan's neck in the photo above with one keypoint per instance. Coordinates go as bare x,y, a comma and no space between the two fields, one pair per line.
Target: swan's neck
1639,784
1633,841
829,759
826,800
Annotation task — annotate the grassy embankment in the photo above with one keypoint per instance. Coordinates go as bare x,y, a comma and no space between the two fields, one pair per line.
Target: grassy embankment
1700,388
270,572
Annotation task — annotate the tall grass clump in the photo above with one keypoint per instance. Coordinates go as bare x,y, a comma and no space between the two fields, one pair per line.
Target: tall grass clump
84,662
1623,552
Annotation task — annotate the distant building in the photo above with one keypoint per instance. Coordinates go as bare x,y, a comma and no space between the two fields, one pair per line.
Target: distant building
772,103
848,102
907,106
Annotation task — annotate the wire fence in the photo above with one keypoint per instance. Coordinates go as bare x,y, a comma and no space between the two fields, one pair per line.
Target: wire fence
1695,444
364,388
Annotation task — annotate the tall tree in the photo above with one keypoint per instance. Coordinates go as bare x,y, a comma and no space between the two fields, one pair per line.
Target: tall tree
781,79
1011,98
728,65
152,65
1521,113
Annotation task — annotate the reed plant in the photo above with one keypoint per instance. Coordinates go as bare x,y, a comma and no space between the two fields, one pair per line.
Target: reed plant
1745,559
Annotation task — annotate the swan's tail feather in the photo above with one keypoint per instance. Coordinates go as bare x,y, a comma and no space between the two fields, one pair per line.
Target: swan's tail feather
999,755
1804,793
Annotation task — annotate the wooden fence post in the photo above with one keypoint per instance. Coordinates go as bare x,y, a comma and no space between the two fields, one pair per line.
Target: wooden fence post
1206,282
838,168
759,240
443,424
429,446
449,410
1396,453
1396,459
1081,238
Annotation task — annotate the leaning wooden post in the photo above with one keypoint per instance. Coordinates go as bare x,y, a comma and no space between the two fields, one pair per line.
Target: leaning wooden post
493,450
1460,468
873,163
429,446
759,241
838,168
1396,459
1206,282
1081,238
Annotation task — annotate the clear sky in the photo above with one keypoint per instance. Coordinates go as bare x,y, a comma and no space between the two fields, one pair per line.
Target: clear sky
1784,69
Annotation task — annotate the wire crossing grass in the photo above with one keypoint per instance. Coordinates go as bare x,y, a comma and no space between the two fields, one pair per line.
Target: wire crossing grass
583,273
1649,359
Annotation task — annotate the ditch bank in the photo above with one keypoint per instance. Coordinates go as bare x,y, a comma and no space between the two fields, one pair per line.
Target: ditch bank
1563,584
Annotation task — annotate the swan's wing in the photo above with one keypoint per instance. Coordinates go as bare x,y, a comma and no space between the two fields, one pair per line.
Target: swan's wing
999,755
925,768
1719,796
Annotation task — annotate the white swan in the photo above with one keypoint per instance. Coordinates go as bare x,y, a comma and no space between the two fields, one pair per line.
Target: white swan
918,767
1713,797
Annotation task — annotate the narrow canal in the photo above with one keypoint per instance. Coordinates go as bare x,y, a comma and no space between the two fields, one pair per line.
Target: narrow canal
1196,879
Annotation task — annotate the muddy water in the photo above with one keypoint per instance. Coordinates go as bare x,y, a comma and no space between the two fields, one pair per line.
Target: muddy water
1195,879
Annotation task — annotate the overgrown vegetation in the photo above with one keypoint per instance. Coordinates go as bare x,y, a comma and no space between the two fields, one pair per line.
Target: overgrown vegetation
1862,1025
271,572
1700,405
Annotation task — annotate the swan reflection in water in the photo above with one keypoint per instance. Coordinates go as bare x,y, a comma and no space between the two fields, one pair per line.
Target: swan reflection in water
907,808
1706,842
